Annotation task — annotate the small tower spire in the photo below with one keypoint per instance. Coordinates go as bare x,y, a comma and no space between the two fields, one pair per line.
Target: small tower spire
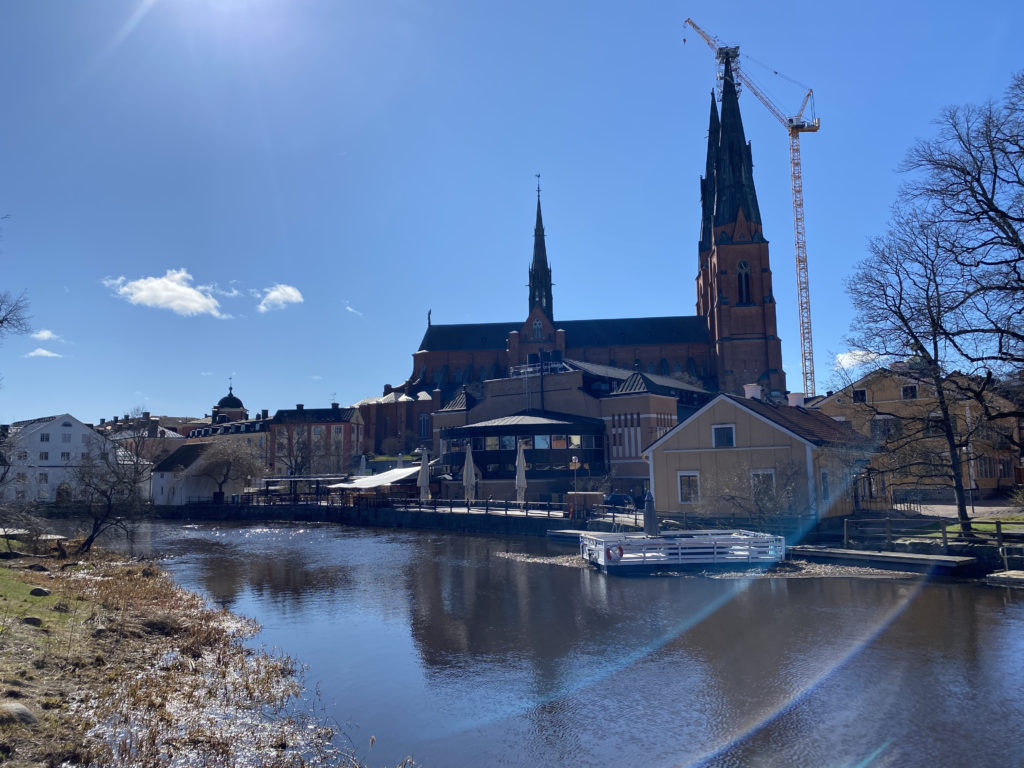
540,271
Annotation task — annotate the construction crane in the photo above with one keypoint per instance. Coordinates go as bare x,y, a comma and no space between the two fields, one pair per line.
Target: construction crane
794,126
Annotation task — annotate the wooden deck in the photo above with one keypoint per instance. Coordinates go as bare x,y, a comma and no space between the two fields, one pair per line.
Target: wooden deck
916,562
1006,579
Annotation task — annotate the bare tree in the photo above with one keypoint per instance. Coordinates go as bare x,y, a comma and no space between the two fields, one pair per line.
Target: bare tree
969,181
14,315
229,461
762,495
111,480
907,296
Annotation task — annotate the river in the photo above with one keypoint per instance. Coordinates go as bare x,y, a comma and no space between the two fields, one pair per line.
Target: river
472,651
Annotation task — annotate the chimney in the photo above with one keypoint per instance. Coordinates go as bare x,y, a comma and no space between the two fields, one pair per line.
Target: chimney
102,421
115,419
266,414
334,406
298,406
752,391
145,415
796,399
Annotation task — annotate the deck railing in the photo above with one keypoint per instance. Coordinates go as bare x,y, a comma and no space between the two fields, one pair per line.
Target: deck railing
882,533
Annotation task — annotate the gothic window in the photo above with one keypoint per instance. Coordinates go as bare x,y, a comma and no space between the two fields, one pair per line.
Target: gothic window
743,282
424,426
538,328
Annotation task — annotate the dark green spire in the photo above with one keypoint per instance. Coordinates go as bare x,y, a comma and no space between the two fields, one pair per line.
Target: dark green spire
734,175
707,196
540,272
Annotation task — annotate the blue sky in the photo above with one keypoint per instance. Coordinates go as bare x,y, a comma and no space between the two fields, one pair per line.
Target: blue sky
279,190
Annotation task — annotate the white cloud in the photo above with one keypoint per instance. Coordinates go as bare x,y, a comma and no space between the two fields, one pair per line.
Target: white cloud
278,297
316,377
853,359
173,291
352,309
40,352
45,335
206,373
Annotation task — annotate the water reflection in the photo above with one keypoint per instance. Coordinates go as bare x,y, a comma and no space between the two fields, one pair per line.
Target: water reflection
440,647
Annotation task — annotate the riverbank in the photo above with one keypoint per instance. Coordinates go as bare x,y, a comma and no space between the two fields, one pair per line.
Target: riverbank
106,662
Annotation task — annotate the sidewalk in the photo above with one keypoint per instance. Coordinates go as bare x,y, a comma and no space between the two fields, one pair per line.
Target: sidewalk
981,509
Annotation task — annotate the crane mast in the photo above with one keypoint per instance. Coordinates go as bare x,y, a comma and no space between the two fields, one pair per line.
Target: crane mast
794,125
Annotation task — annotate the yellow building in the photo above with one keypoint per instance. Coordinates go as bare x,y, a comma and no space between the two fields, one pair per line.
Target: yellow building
741,457
899,411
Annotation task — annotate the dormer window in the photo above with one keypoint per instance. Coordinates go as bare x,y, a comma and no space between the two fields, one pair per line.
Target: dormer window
538,328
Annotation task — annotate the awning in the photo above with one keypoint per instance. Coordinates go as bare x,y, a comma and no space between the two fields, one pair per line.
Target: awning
390,477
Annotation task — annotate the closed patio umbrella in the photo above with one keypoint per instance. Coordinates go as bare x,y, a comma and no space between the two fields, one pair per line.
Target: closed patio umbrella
423,481
469,473
521,475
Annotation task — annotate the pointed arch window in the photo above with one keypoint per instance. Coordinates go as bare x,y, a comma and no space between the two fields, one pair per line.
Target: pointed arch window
538,328
743,282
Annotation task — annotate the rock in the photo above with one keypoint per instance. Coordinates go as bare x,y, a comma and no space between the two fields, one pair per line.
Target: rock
40,592
37,567
33,621
12,712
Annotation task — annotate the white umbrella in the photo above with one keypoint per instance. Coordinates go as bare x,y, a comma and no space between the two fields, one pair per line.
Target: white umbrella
521,475
424,479
362,464
469,472
400,464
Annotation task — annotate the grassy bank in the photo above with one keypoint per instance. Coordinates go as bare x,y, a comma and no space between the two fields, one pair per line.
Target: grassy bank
116,666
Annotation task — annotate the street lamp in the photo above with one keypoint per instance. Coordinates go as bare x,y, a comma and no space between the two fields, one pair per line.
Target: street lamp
574,465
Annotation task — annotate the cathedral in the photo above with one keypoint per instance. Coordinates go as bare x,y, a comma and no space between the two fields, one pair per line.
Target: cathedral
730,342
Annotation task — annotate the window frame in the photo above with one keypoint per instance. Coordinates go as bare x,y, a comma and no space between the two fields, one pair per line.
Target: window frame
695,474
714,435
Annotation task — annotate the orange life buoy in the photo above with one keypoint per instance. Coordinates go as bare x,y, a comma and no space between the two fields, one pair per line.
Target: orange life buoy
613,555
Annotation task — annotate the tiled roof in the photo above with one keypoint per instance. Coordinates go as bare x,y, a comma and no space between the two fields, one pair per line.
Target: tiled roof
654,382
813,426
184,456
579,333
461,402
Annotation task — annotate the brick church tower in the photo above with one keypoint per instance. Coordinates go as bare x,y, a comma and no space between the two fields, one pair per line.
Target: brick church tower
734,284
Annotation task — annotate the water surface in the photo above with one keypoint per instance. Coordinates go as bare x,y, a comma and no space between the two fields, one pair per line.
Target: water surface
445,648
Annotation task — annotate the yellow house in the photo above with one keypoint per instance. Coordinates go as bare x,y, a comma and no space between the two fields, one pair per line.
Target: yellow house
899,412
744,458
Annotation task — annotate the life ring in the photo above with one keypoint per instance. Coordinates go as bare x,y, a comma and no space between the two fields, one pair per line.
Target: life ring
613,555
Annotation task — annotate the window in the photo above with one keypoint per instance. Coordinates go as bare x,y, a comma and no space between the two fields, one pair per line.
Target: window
424,426
558,442
860,395
575,442
723,435
542,442
743,282
986,467
885,428
65,437
689,487
478,443
1005,467
538,328
338,430
508,442
762,482
44,455
65,455
491,443
526,441
22,455
44,437
44,478
910,392
21,477
316,430
933,426
824,485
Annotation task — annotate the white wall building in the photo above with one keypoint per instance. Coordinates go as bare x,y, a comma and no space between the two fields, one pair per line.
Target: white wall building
43,455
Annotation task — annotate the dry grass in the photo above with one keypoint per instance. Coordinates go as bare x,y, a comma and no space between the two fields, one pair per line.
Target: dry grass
127,669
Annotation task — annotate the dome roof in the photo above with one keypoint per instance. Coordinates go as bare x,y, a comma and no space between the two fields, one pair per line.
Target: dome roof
229,401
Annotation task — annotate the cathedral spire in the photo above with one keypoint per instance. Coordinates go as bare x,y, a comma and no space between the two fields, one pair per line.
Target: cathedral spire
707,183
734,175
540,272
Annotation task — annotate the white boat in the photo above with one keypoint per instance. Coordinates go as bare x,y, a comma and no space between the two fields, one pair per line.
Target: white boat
626,553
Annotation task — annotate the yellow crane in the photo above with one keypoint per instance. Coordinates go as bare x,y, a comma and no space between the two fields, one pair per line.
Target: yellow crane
794,125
